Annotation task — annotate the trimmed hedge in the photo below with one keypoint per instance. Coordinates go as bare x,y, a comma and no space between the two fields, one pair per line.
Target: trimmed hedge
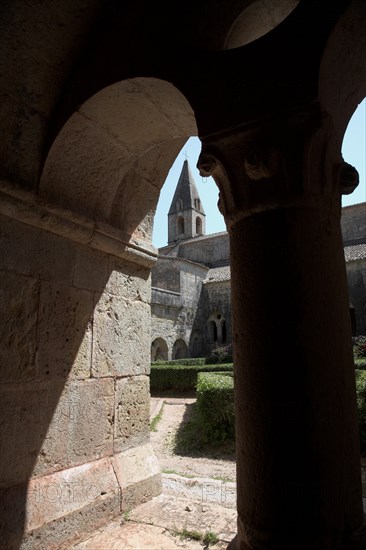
174,375
215,406
186,361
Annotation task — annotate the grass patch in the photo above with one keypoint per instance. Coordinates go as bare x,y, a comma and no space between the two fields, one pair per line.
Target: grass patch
208,538
186,534
155,421
224,479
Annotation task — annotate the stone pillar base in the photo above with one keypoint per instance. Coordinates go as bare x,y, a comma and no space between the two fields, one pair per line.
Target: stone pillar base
356,541
60,508
138,474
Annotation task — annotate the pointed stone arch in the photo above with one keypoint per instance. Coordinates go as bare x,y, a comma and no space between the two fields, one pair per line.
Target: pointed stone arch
180,349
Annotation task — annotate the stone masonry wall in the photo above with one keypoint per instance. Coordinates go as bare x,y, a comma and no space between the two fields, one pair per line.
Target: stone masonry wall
356,276
353,223
217,298
208,250
75,389
173,315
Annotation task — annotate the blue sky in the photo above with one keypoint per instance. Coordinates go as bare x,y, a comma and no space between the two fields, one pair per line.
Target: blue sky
353,151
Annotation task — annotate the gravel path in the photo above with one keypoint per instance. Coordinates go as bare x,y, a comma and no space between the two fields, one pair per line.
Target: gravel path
176,411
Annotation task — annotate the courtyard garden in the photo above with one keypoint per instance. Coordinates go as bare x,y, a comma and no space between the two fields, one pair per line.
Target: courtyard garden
199,401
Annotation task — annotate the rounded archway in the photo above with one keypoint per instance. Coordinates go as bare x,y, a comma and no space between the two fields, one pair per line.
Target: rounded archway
159,350
342,75
112,156
217,331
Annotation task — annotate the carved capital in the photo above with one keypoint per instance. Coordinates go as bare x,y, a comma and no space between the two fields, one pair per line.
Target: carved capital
261,163
348,177
283,162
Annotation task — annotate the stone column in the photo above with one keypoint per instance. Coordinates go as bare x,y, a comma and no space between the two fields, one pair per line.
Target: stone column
298,458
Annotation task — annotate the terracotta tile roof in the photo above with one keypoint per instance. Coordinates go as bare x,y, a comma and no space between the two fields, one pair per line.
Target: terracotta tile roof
355,252
218,274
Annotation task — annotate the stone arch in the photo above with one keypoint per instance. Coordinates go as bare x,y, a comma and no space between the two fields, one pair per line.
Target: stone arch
101,182
195,344
180,349
223,331
104,164
217,328
159,350
212,331
257,19
342,75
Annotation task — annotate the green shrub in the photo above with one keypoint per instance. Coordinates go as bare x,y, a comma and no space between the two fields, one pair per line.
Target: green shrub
178,376
361,406
360,363
359,347
220,353
215,405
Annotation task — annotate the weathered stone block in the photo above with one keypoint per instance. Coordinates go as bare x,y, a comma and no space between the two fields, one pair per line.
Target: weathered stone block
26,413
19,297
91,269
55,257
132,415
56,495
61,533
21,150
121,341
65,335
81,429
138,475
28,250
128,280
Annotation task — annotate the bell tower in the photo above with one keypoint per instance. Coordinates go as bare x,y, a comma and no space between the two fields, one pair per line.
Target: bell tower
186,217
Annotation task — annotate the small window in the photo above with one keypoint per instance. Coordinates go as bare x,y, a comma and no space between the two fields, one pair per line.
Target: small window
180,225
198,226
179,205
197,204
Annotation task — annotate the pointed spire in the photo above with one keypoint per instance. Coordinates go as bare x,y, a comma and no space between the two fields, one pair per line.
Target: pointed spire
186,194
186,217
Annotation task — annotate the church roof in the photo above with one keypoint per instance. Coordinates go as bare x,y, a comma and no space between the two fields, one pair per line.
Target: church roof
205,237
218,274
355,252
186,191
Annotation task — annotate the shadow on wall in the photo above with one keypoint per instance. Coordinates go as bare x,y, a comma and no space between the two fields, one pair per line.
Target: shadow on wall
77,329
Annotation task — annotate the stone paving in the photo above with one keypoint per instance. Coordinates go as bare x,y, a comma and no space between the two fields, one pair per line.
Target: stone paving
165,523
187,509
187,506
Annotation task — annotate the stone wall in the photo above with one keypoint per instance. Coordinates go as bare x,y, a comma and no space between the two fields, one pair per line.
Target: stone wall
174,304
75,386
217,301
353,223
356,276
208,250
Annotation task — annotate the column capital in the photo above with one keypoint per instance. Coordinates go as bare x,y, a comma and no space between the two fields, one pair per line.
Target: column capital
283,161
